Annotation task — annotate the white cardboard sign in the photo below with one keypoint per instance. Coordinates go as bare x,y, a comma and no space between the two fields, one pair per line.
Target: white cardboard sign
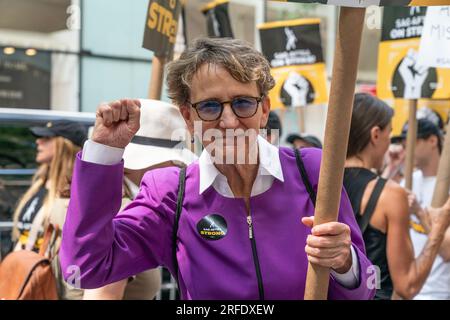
435,42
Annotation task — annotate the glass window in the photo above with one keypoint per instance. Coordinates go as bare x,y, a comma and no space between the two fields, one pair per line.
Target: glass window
40,37
24,78
106,80
114,27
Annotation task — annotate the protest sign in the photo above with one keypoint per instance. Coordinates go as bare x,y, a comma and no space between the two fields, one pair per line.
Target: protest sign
294,51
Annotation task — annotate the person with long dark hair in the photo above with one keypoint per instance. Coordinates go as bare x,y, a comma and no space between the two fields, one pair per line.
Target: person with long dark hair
381,206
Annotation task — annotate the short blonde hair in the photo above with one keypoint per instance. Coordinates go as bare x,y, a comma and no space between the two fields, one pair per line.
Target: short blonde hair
242,61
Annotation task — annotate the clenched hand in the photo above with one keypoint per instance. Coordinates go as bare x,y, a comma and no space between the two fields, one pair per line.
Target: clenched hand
117,122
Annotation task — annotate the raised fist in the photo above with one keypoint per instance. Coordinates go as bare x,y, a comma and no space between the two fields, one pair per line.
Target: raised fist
117,122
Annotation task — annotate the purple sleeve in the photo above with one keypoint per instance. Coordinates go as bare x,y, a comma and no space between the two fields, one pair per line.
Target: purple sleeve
336,291
362,290
103,246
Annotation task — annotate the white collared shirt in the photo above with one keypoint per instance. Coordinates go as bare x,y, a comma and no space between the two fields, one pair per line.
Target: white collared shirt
269,169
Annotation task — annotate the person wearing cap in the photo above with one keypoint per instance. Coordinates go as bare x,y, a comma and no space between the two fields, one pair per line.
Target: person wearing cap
396,155
236,224
381,206
427,154
431,115
150,148
57,144
303,141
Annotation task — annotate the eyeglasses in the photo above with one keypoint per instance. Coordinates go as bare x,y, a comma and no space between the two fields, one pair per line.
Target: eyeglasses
211,110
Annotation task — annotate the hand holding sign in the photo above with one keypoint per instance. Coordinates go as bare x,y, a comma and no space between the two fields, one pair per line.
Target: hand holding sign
117,122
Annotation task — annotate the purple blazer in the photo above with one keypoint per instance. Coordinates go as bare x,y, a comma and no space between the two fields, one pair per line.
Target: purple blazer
215,254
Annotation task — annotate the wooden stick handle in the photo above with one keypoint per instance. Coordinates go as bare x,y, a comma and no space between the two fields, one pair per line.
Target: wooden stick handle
440,194
301,112
410,144
348,43
156,81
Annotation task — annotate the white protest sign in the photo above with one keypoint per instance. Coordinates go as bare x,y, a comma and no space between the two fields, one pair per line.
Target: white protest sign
435,43
366,3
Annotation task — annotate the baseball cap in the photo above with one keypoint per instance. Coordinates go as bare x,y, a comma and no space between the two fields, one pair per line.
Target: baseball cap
422,113
425,129
160,137
312,140
72,131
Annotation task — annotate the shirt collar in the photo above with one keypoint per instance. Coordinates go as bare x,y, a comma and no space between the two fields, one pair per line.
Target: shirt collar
269,164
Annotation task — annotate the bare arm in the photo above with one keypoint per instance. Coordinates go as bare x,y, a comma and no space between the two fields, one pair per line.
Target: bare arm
444,252
423,214
409,274
426,216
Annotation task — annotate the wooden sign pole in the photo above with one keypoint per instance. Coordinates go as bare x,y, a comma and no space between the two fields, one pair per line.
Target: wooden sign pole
156,81
440,194
348,43
411,144
301,112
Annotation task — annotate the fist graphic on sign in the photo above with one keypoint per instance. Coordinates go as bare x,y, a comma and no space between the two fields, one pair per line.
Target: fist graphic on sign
413,75
297,87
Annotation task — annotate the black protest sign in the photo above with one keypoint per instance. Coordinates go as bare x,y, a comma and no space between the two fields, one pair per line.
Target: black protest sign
294,51
286,44
218,19
402,23
161,27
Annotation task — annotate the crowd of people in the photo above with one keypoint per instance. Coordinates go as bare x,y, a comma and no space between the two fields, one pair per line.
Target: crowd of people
237,222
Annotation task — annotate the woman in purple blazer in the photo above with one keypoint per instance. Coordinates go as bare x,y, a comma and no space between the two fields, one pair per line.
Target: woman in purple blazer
245,224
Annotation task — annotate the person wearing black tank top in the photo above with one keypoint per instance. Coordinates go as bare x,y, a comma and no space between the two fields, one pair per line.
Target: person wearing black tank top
381,206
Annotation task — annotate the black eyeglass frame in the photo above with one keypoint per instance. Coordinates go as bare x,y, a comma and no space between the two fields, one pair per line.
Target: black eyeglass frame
222,104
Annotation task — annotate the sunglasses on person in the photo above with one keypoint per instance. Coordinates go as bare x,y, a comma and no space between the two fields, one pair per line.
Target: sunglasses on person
211,110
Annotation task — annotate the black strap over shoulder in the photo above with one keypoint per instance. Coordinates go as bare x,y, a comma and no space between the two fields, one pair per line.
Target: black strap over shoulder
181,187
371,204
304,175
